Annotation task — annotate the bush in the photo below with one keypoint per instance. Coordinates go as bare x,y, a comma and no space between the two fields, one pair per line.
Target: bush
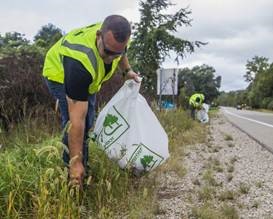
270,105
22,90
265,102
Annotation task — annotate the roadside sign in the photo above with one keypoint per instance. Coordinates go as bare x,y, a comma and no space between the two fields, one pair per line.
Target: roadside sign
167,81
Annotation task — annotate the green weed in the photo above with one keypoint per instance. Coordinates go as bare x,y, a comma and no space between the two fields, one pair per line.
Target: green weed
228,137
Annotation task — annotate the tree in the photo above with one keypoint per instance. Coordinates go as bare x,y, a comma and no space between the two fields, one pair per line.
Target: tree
153,40
200,79
13,40
261,89
47,36
259,93
255,66
232,98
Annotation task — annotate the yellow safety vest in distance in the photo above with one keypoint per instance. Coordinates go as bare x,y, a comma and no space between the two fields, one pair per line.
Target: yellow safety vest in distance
193,102
79,44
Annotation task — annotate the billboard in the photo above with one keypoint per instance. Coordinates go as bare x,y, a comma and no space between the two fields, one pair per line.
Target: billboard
167,81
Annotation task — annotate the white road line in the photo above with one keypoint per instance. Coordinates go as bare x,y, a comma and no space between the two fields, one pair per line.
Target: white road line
252,120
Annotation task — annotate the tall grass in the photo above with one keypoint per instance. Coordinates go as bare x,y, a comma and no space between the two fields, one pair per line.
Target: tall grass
34,182
182,132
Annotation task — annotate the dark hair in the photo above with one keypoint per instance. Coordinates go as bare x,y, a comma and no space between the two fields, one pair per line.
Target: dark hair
197,99
119,26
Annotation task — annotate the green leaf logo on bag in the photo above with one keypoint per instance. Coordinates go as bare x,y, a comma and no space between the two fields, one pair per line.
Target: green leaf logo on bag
109,121
114,126
144,156
146,160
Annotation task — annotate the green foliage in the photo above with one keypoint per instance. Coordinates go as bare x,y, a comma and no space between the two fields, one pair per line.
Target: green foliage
205,212
233,98
270,105
33,180
47,36
259,93
255,66
228,137
261,88
181,131
244,188
229,212
22,89
208,211
209,178
12,40
227,195
198,79
177,119
34,184
153,40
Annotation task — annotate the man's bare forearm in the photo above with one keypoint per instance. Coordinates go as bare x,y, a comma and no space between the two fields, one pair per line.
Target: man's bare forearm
75,139
77,114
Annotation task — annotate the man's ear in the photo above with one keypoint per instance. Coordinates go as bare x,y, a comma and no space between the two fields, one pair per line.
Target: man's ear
98,33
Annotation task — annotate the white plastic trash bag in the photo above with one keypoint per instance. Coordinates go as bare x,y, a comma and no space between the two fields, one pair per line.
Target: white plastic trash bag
202,115
129,132
205,107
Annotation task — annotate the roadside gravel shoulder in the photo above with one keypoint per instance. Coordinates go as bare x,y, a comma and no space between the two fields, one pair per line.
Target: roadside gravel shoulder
230,176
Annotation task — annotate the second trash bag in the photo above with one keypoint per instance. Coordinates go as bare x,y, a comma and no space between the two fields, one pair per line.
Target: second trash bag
202,114
129,132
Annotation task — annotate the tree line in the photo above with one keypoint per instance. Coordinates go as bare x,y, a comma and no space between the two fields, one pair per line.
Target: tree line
259,93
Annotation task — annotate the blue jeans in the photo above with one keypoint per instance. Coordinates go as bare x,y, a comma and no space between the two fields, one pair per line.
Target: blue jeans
58,91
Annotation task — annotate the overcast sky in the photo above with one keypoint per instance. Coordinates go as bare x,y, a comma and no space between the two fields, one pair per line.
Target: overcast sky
236,30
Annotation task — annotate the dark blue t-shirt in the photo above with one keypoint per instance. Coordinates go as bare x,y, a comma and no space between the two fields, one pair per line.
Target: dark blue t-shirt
77,79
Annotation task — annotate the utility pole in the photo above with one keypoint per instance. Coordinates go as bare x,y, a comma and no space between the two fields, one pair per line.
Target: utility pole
160,90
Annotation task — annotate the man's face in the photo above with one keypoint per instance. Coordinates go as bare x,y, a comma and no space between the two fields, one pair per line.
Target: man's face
108,47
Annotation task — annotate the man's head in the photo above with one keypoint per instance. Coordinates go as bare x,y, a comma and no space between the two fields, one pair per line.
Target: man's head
113,37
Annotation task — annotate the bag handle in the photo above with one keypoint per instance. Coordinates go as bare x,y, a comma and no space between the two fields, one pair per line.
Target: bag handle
133,86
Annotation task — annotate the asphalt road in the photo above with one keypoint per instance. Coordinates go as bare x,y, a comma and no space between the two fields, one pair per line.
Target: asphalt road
258,125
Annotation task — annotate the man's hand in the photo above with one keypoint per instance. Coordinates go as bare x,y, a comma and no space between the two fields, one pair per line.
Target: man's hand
76,172
133,75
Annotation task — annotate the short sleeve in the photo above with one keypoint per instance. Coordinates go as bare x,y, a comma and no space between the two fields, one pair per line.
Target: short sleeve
76,79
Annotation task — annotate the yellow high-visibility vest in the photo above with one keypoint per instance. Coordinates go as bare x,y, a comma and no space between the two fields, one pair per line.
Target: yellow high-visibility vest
193,98
79,44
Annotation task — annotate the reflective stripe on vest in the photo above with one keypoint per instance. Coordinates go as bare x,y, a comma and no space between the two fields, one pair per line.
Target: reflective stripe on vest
81,48
79,44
